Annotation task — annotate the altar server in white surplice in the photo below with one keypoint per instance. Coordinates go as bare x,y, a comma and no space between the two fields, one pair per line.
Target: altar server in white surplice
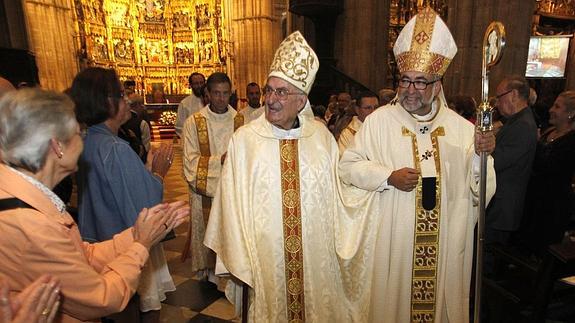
365,104
190,104
410,259
206,137
272,219
254,109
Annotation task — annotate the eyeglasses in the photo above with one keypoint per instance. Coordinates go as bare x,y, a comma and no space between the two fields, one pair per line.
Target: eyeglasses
282,92
417,84
497,97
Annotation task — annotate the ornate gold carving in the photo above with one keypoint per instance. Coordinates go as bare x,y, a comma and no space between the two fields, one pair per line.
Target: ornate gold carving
426,239
144,34
557,7
292,230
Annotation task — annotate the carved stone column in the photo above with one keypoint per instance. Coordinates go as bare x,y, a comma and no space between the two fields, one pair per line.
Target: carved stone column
361,41
255,33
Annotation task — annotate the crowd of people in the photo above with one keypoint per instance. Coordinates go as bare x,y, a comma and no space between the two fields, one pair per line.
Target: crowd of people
363,211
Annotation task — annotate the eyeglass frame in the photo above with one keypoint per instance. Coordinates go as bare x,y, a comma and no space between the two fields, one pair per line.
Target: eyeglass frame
498,97
427,83
268,90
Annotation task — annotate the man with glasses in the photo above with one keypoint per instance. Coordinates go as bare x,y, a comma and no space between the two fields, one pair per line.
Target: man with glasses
272,219
206,136
418,164
365,104
513,156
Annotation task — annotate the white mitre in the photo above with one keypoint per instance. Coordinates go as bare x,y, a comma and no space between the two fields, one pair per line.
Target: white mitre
425,44
295,62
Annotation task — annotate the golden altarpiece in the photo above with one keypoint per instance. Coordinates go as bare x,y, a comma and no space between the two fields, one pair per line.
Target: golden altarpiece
156,43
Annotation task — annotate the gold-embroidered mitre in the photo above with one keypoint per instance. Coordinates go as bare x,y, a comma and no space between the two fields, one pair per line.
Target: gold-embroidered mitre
425,44
295,62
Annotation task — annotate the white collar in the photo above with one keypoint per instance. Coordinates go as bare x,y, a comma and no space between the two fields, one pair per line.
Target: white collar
51,195
293,133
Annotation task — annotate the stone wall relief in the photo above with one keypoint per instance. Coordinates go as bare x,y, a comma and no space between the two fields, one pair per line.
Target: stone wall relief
98,48
181,20
123,49
184,54
154,52
93,11
119,15
202,16
151,10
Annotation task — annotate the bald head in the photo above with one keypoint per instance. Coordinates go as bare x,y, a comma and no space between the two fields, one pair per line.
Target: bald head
5,86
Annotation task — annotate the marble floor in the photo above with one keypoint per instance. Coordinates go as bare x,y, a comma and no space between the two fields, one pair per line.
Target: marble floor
194,300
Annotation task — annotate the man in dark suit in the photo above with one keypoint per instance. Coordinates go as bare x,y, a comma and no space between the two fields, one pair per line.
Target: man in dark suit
514,152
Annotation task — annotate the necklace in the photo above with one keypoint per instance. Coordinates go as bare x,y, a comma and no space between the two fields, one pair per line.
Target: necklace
553,135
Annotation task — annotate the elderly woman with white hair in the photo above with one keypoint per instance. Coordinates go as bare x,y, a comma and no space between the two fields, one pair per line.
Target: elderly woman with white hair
40,142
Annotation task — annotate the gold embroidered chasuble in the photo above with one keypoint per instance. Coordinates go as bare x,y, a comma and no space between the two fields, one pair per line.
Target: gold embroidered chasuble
206,136
346,136
250,113
417,260
271,223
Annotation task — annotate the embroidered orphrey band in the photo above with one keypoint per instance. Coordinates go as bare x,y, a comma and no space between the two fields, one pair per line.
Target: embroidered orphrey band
426,240
238,121
292,230
204,141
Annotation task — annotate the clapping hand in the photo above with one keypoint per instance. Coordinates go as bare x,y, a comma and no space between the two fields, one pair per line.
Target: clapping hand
153,224
38,302
160,160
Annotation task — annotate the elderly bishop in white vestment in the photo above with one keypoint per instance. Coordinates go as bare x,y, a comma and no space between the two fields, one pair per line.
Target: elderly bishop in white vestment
272,219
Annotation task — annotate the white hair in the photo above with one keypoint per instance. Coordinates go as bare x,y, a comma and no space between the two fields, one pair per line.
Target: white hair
29,119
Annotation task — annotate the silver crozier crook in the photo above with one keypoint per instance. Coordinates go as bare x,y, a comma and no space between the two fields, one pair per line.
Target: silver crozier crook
493,44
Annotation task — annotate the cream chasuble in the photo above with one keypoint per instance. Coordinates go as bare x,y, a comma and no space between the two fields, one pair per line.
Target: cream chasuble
272,219
346,136
409,258
250,113
206,137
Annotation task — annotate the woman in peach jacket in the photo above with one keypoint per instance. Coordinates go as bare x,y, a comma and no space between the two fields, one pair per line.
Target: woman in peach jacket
40,142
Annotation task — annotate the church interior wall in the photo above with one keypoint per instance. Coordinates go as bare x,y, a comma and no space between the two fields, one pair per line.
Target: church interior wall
251,30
